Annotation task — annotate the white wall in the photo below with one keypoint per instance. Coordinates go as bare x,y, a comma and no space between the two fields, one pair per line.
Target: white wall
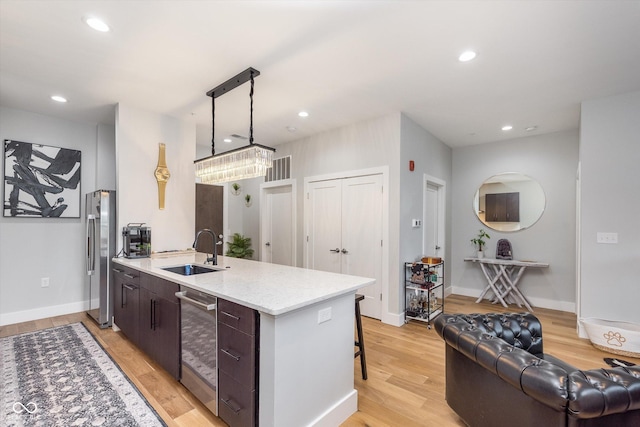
106,157
552,160
610,202
369,144
431,157
138,135
31,248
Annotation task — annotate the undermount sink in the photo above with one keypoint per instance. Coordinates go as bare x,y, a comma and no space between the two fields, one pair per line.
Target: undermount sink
191,269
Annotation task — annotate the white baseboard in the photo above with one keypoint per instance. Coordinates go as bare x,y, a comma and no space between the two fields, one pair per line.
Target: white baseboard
567,306
339,412
42,312
393,319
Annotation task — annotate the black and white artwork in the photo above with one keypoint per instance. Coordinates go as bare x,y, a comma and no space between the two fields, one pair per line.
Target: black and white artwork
41,181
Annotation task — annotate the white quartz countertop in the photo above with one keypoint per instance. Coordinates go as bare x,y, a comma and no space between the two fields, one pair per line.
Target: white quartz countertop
269,288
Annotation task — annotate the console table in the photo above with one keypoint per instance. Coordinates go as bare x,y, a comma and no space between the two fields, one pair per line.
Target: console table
503,276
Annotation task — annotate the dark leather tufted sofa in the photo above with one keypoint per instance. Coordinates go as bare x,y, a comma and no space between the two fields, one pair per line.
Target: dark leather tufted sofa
498,375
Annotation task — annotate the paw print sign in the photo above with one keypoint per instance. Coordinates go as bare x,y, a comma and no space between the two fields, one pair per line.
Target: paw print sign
614,338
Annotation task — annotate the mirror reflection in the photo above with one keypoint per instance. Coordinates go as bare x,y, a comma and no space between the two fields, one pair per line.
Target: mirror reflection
509,202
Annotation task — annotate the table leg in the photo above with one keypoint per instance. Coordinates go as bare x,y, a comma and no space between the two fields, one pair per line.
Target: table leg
492,285
514,287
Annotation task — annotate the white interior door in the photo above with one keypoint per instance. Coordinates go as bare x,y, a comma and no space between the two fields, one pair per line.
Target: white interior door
433,220
277,226
324,226
361,250
345,232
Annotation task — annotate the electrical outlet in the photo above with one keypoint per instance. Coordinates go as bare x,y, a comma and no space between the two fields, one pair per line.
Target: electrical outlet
44,282
611,238
324,315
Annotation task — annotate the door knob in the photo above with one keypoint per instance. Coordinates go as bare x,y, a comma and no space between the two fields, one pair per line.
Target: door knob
437,247
336,250
344,251
267,244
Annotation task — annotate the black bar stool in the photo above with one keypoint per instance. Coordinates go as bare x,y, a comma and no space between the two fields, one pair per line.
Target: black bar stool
360,342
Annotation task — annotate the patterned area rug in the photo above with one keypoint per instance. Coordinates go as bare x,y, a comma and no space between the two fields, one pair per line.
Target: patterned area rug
63,377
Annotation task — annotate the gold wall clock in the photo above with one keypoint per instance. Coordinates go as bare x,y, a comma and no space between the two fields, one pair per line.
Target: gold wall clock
162,175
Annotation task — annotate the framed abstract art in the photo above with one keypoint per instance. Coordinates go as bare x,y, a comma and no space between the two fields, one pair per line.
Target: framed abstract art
41,181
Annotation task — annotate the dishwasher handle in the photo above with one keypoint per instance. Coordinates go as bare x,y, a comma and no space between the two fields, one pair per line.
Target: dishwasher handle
183,296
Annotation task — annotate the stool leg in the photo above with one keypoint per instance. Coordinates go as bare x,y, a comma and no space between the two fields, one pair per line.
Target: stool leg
360,342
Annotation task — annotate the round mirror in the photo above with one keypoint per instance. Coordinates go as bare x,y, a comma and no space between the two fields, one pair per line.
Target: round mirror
509,202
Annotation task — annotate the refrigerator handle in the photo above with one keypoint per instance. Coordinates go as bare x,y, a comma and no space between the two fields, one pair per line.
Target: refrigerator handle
91,237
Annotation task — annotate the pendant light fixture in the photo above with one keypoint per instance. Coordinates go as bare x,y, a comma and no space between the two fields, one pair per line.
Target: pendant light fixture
246,162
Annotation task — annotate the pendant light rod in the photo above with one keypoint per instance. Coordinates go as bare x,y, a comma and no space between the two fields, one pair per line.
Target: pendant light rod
233,82
247,75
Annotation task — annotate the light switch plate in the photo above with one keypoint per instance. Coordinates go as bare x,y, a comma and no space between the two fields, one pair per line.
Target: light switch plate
416,223
607,237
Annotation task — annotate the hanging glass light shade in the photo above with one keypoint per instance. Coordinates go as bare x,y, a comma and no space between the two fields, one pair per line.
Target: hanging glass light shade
246,162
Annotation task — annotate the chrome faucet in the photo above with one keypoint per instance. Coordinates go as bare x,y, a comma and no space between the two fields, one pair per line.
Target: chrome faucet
214,256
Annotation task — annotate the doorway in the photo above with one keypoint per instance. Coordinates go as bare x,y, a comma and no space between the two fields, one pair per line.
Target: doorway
209,214
344,228
434,217
278,222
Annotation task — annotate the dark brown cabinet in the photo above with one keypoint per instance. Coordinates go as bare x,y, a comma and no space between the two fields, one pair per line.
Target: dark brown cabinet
148,313
126,299
502,207
238,356
159,322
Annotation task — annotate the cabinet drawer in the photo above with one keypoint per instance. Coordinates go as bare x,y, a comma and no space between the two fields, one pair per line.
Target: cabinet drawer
236,355
237,316
236,404
162,288
128,275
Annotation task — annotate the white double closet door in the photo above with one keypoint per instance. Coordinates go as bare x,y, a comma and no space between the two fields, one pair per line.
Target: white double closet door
344,232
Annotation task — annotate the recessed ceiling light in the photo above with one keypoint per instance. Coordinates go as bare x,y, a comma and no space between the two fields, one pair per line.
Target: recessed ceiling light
467,56
97,24
227,140
303,114
58,98
507,127
531,128
292,129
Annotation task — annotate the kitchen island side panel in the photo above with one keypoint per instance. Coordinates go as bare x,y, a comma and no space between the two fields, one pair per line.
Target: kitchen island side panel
306,367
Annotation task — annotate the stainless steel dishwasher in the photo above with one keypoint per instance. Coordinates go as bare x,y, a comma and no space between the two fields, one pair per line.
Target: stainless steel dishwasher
198,357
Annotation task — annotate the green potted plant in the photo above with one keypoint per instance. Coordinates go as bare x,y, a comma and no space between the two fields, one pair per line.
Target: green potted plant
239,247
480,242
247,200
235,188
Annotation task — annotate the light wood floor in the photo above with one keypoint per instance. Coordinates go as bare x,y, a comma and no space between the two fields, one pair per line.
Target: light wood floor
405,366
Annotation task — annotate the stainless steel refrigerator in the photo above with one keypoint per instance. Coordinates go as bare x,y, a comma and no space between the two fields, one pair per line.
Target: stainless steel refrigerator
101,244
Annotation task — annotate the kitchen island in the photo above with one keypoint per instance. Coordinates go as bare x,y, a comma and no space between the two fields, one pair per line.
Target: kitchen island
306,332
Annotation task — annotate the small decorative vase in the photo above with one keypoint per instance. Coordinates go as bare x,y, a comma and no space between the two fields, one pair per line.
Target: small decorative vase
480,254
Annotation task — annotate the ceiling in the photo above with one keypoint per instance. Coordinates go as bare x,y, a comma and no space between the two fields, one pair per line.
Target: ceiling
342,61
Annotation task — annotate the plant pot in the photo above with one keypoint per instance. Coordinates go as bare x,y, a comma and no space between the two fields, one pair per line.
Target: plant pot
480,254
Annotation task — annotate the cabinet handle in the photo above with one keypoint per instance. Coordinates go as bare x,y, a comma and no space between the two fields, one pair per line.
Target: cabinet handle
237,358
153,314
123,301
130,276
230,315
117,270
228,404
131,288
